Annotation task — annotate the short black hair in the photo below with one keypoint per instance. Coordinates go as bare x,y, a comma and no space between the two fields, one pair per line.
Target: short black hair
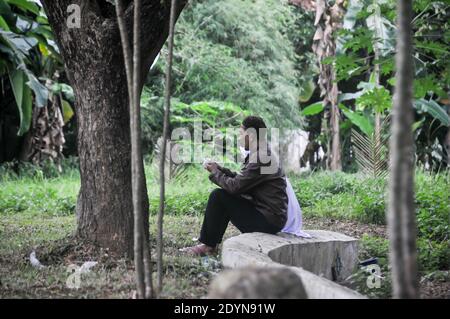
255,122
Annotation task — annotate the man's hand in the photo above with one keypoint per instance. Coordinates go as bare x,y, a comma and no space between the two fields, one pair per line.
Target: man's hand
212,167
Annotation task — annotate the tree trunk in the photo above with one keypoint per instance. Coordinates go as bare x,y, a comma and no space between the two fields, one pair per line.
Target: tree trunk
104,208
335,154
447,140
95,67
335,159
447,147
376,71
401,214
328,20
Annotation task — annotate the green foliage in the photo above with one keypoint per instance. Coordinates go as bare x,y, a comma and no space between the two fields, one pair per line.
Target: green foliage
214,114
39,190
358,119
349,196
367,42
188,204
354,196
301,35
38,198
347,66
433,206
369,24
14,171
28,55
337,195
235,51
313,109
377,98
371,151
340,195
428,85
433,255
433,109
22,94
372,246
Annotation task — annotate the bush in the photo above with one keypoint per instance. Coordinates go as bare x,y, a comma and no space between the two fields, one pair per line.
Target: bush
433,255
378,247
433,206
372,246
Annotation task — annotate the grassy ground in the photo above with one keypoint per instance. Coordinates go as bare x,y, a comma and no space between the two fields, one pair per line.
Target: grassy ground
36,214
185,276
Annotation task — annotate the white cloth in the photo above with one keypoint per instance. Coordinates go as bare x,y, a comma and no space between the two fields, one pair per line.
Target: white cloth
294,214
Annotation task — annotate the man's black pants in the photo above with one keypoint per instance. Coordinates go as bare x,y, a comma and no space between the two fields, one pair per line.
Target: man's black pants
224,207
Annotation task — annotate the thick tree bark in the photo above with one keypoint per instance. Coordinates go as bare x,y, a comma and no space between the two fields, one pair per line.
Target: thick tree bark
95,66
401,214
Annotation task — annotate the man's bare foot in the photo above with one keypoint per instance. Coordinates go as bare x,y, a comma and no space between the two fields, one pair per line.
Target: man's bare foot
200,250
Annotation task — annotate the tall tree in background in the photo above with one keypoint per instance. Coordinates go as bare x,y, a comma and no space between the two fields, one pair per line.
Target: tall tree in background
328,20
401,214
95,67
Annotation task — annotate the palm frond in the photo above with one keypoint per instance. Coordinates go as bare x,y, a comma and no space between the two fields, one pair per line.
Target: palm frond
372,153
172,170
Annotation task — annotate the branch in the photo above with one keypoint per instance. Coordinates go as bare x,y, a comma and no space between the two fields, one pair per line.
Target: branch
162,161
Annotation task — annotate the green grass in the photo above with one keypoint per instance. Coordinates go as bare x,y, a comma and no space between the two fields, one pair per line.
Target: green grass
46,197
37,210
343,196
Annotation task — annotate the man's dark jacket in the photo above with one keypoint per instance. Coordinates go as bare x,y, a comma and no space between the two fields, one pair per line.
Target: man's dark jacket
266,190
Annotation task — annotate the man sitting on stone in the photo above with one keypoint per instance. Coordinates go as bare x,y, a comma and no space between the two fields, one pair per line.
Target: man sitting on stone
254,200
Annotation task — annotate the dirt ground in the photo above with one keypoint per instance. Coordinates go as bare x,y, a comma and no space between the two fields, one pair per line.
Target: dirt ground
112,277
